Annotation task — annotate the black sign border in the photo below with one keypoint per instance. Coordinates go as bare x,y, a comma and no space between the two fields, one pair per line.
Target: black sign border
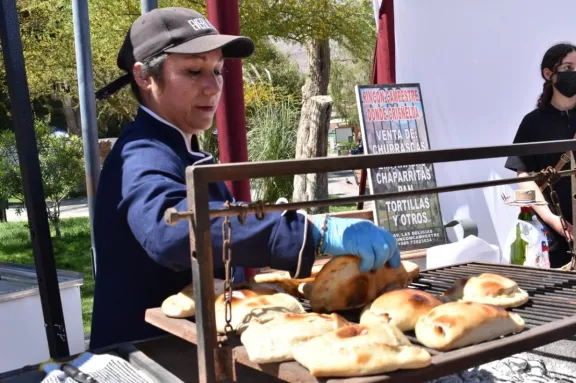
361,114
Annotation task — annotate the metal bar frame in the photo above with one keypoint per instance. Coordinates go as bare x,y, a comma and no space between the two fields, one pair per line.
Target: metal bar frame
148,5
32,180
199,177
172,216
89,121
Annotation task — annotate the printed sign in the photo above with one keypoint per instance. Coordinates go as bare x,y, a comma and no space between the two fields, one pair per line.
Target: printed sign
392,121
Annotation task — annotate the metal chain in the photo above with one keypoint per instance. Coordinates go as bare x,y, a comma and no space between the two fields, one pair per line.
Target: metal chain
227,256
227,260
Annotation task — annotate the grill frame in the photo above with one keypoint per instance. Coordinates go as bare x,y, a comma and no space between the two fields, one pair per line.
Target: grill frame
546,281
210,355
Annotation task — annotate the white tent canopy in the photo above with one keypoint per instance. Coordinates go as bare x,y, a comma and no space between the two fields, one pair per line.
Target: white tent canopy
478,63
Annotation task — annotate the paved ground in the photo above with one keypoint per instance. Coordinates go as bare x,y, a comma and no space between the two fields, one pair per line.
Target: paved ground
344,184
71,208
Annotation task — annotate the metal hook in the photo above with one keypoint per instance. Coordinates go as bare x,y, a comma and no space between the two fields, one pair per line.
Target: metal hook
260,212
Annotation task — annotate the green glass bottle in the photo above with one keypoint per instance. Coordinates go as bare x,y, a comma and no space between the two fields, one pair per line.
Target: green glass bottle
518,250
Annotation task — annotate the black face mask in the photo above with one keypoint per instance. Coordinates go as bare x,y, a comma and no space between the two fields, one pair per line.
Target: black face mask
566,83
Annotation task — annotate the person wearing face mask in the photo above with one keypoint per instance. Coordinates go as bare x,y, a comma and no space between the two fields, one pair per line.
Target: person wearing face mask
173,60
553,119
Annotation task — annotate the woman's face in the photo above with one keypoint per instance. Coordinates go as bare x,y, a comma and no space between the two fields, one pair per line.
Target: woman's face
568,65
188,90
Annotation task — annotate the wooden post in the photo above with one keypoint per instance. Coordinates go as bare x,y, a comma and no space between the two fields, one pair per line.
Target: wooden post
312,141
3,211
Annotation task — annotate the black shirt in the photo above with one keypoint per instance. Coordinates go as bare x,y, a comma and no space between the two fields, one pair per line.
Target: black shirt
547,124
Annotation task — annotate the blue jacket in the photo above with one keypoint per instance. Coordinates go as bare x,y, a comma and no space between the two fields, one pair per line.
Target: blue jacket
140,260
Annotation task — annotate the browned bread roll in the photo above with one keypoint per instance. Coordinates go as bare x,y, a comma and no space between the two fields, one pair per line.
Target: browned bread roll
359,350
341,286
458,324
488,288
401,308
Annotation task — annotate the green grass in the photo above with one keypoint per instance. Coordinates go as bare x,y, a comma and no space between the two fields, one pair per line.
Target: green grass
71,251
340,208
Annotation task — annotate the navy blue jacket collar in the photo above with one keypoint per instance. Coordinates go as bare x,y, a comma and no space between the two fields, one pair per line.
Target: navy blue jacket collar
176,138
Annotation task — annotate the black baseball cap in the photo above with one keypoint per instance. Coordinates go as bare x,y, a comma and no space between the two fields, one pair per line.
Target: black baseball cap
172,30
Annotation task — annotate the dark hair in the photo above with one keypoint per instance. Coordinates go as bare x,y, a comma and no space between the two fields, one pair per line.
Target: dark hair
552,59
151,67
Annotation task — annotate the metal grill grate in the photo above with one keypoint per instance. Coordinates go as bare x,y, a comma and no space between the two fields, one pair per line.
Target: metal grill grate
552,292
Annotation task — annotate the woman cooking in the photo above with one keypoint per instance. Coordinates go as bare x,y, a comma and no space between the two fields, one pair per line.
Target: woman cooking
553,119
173,59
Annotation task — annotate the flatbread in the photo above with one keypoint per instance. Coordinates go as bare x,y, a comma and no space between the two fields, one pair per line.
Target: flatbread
248,307
402,308
341,286
488,288
459,324
275,340
359,350
181,304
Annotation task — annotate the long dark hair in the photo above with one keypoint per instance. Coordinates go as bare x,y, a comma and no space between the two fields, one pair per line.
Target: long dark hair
552,59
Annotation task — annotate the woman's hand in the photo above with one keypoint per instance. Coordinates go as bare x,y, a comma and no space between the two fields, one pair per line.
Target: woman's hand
555,223
363,238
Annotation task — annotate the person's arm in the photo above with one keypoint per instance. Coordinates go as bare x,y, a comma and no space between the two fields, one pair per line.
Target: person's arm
523,165
544,211
153,181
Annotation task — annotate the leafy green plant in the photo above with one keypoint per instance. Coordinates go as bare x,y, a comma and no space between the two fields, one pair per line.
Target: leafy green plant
272,136
260,90
209,142
61,166
347,145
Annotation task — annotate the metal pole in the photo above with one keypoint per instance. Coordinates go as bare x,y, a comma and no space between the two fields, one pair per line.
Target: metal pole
148,5
203,283
230,117
172,216
278,168
87,109
32,180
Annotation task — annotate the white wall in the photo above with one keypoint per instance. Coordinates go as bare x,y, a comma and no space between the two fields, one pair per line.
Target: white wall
22,333
478,65
343,135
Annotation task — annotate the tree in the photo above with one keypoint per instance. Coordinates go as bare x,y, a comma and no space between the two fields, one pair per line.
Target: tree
313,24
61,166
48,39
47,32
345,74
268,62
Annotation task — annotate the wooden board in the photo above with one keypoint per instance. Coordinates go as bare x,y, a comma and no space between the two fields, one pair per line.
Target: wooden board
442,363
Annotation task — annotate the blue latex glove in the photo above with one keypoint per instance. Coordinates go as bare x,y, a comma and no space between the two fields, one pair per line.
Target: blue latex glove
360,237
